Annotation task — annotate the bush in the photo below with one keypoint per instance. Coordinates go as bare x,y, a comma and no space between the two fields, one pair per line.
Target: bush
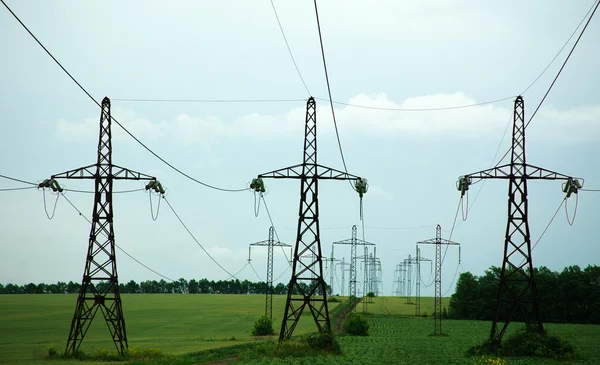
371,294
52,351
324,341
527,341
263,326
333,300
356,324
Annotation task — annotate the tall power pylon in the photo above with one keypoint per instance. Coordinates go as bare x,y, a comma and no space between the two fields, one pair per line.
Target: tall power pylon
332,260
409,262
438,241
308,271
101,263
353,242
270,243
343,265
365,258
418,261
517,291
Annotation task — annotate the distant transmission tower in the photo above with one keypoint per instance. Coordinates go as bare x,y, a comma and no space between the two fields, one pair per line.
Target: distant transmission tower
270,243
101,262
308,271
409,263
438,241
365,258
343,265
517,293
332,260
353,242
418,261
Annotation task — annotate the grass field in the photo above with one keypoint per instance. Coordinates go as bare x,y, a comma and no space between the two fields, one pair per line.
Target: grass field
180,324
173,323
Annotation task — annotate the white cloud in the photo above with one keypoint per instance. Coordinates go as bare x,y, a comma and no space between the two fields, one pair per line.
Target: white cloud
471,122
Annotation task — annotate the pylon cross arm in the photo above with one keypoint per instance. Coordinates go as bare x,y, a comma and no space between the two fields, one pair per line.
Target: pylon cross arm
504,172
350,241
296,172
89,172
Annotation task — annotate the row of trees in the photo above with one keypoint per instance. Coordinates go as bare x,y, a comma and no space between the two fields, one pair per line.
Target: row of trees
151,286
572,295
181,286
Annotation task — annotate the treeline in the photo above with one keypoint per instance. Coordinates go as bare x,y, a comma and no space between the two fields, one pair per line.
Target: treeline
181,286
571,296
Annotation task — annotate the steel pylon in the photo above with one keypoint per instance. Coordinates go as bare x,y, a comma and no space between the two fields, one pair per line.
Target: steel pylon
307,267
418,261
353,242
438,241
101,264
270,243
517,293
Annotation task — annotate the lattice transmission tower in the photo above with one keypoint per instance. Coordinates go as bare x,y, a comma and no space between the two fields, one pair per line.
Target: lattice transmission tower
100,284
438,241
308,241
517,293
353,242
270,243
418,261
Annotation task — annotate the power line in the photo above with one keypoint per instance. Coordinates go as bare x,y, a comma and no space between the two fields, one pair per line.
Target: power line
112,118
275,230
122,250
564,64
289,49
560,51
589,189
14,179
418,109
329,89
15,189
140,100
194,238
547,226
114,192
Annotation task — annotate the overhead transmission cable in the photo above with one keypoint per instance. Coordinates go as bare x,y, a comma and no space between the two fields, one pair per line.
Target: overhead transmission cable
15,179
337,134
113,118
289,49
196,240
116,245
595,7
15,189
275,230
141,100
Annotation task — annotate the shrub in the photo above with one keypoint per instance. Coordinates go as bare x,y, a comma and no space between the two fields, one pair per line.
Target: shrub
52,351
263,326
370,294
356,324
527,341
324,341
333,300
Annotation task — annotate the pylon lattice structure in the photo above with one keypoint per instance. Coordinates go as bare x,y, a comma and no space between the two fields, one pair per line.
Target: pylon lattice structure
517,293
270,243
418,261
438,241
100,284
332,260
343,265
353,242
365,258
409,262
308,271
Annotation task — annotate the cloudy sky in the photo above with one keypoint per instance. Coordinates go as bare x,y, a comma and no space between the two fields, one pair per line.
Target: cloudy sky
387,54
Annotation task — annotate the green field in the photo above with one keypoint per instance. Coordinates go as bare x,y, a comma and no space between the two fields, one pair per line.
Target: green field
180,324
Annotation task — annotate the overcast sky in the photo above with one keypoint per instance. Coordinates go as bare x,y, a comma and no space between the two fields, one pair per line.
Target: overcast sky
392,54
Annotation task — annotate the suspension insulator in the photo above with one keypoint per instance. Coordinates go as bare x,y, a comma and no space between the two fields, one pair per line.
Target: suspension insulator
462,184
258,185
156,186
571,186
361,186
52,184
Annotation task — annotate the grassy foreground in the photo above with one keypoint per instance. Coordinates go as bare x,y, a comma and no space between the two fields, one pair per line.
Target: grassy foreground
173,323
183,324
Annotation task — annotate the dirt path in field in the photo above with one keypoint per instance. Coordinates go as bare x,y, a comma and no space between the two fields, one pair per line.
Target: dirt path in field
339,318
